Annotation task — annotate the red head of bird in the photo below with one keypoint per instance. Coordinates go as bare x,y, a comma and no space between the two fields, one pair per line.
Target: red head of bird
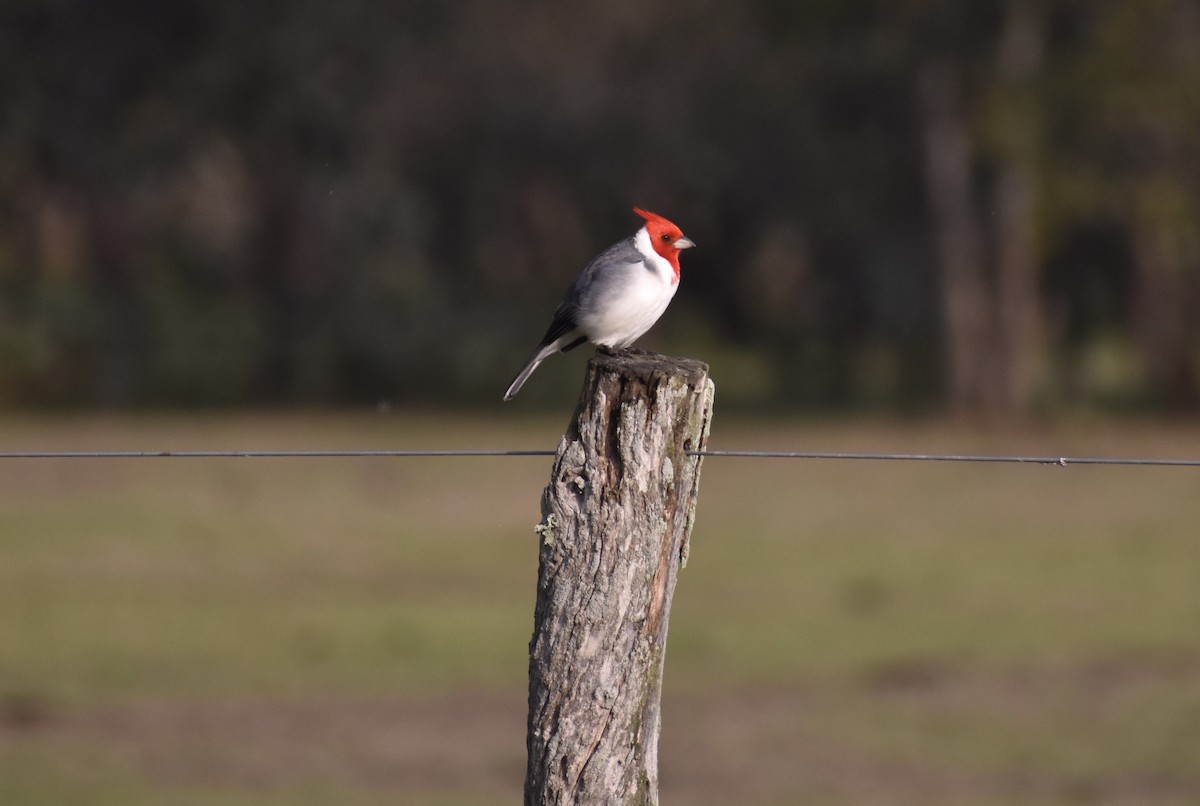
666,238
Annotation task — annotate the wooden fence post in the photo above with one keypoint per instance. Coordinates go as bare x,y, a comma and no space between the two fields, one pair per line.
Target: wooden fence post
616,518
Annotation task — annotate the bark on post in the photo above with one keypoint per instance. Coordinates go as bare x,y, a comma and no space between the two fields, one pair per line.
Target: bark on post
616,518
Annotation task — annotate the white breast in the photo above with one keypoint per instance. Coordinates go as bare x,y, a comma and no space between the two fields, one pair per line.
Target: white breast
634,302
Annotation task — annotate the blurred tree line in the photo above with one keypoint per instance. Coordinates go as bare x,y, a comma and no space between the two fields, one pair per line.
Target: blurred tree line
986,206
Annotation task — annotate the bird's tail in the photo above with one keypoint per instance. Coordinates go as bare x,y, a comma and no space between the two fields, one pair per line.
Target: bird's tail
541,355
538,357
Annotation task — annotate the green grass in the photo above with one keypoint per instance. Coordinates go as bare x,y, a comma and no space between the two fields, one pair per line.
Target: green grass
845,632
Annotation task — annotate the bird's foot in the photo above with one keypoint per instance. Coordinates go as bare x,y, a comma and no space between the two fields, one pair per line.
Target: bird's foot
621,352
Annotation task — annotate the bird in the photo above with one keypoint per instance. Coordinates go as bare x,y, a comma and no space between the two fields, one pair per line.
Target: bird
617,296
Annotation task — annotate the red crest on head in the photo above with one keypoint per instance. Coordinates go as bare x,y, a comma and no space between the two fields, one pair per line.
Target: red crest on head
652,217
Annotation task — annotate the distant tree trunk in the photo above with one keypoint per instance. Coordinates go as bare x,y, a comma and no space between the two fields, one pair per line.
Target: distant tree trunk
1164,219
966,316
122,343
275,373
616,518
1020,328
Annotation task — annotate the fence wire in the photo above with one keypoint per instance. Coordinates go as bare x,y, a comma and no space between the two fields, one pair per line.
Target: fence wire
1061,461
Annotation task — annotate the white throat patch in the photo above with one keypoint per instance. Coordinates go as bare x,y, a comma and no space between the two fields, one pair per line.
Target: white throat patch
661,265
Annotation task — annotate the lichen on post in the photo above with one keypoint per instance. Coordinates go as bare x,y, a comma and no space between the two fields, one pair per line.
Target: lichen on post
616,518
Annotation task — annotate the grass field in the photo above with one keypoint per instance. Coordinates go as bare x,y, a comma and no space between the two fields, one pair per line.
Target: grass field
353,631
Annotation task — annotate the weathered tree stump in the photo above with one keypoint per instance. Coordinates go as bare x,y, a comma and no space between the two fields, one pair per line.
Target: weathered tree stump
616,518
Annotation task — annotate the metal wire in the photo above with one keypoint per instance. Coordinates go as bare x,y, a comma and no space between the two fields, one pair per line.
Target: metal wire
1061,461
257,454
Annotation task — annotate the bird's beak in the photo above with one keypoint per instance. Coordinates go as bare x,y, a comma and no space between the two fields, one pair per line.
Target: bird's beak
683,243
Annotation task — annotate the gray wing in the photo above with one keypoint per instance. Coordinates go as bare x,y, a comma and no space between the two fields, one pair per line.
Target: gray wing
598,277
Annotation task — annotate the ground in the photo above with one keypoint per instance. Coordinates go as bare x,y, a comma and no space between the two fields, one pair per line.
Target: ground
354,631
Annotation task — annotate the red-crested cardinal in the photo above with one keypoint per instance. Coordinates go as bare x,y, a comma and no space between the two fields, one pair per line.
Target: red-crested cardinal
618,296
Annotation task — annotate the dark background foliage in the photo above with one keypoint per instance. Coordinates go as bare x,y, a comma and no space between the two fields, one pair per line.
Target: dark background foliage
987,207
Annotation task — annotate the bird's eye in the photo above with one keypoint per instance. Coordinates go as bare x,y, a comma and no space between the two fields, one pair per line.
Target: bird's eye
666,238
